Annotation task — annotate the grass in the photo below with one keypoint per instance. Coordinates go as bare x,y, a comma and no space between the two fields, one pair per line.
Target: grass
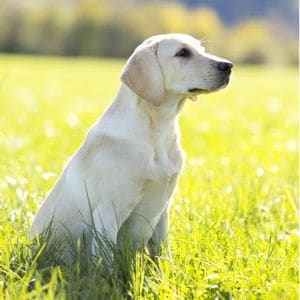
234,220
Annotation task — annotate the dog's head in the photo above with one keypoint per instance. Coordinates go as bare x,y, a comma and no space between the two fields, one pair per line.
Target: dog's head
174,64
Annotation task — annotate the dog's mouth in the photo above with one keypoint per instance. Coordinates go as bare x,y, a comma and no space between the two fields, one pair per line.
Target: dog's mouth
198,91
221,85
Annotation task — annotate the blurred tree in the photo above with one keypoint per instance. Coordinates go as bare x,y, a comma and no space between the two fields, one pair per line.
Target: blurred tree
238,10
173,17
84,29
103,28
11,21
254,42
206,25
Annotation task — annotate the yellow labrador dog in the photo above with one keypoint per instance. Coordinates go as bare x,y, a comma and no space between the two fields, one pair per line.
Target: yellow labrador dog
125,172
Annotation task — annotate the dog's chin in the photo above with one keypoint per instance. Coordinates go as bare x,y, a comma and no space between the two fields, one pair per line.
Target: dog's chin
198,91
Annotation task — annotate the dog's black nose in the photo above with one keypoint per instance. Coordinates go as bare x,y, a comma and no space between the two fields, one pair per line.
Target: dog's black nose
224,66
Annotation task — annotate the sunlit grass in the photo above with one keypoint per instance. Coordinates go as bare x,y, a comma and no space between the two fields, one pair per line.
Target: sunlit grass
234,229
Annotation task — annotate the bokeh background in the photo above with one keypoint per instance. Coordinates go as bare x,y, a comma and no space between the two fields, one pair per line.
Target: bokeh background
256,31
234,222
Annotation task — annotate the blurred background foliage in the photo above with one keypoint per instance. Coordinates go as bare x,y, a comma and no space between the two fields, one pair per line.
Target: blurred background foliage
115,28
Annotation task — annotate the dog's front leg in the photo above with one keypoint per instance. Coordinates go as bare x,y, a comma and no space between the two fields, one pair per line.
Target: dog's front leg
159,234
104,229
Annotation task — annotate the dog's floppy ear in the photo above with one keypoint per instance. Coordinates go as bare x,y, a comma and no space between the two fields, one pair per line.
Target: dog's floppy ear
143,75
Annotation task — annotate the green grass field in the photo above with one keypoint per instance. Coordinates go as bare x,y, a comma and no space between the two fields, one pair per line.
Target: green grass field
234,220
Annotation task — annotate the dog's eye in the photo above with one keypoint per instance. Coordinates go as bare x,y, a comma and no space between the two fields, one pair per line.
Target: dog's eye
184,52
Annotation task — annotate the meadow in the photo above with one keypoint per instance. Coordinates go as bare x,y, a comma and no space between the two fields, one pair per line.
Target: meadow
234,220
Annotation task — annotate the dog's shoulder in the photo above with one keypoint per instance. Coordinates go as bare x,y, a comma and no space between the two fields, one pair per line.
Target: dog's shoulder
102,150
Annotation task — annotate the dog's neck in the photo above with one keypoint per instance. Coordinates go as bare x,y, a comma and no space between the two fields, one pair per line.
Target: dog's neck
165,113
144,119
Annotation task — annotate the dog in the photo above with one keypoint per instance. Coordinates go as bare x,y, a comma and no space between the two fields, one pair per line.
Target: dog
124,174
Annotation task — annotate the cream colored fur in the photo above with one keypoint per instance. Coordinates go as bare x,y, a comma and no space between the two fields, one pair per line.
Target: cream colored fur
129,164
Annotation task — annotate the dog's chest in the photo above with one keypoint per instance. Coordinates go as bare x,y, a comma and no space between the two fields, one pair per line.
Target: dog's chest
164,167
159,185
166,157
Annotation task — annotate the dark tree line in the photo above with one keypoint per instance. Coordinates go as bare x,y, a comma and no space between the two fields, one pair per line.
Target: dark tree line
103,28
